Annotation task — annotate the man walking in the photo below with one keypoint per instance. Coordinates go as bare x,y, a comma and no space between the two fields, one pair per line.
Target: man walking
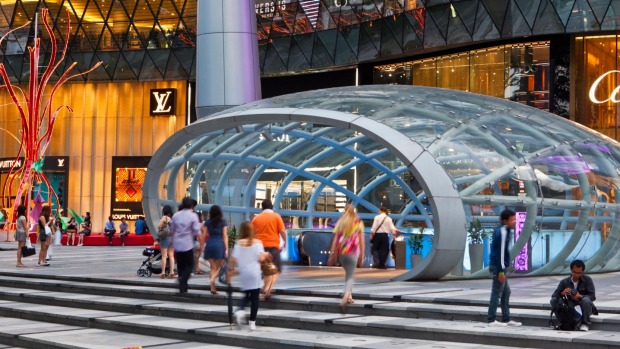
184,228
580,289
499,261
269,228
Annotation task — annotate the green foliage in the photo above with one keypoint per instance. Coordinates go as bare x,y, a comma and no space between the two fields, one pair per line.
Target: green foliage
232,237
475,232
415,242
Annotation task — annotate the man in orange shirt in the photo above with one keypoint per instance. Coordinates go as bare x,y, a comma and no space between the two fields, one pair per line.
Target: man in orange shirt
269,228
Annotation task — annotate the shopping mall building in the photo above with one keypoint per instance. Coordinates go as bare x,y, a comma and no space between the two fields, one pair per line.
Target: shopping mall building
559,56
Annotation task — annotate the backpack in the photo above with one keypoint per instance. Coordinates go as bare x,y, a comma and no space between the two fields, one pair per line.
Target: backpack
163,231
562,316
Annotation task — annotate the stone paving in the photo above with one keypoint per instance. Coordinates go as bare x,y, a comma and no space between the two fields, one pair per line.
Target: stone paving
303,285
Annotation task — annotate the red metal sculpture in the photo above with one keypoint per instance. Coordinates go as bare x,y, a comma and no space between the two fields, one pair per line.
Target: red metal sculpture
36,114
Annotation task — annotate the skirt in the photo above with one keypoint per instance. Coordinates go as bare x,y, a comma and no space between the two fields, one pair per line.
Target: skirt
20,236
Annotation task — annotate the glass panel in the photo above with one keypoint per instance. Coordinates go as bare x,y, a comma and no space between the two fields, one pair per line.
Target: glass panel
425,72
399,74
597,56
528,75
487,72
453,72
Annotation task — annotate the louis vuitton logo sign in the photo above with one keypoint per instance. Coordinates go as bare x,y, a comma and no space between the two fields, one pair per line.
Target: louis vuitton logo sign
163,101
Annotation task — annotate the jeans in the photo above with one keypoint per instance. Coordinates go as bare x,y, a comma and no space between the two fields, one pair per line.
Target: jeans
185,266
499,291
252,297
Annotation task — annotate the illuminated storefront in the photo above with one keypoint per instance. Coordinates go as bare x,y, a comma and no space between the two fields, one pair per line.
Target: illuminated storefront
596,63
519,73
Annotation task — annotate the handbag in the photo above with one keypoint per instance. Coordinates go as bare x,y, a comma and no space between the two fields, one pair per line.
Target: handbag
28,250
268,268
163,231
222,275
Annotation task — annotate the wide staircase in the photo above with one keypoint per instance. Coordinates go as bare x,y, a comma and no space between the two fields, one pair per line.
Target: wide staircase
79,312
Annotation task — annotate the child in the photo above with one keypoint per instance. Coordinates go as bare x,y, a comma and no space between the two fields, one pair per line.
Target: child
248,255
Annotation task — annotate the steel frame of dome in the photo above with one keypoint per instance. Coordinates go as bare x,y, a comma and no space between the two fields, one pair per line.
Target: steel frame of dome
457,118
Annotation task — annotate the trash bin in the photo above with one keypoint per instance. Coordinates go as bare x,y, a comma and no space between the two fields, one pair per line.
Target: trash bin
400,254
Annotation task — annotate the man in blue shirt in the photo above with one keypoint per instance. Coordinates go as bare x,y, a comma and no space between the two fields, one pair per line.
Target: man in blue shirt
140,225
499,261
124,230
109,230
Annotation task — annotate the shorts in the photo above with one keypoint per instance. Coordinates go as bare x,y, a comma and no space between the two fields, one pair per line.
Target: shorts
275,253
165,242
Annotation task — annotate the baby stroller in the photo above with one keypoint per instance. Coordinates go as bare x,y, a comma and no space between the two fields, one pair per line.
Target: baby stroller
151,265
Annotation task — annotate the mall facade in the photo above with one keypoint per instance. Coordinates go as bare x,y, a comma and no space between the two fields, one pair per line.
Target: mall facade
554,55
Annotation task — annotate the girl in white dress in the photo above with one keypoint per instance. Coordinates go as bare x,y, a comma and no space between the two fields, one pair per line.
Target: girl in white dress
247,257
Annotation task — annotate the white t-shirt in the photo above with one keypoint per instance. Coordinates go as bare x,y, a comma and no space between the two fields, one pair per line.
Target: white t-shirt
246,260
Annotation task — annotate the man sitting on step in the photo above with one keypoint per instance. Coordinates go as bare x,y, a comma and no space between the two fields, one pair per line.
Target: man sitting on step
579,289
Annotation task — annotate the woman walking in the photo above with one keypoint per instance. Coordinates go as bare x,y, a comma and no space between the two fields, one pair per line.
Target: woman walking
21,233
217,245
348,248
45,235
247,256
167,251
184,228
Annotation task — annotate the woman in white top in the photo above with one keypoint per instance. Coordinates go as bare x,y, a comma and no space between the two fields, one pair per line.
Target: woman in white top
381,227
247,255
21,233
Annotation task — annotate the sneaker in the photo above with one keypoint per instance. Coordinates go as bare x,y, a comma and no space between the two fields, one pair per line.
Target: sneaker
252,325
497,324
584,328
240,318
514,323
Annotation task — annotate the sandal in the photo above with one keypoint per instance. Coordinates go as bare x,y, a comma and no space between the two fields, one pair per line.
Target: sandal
20,265
214,292
172,276
199,272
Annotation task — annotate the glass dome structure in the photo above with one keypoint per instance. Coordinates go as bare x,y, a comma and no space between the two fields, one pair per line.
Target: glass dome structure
438,158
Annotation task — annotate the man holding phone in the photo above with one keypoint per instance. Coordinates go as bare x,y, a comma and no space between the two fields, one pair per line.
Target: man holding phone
580,289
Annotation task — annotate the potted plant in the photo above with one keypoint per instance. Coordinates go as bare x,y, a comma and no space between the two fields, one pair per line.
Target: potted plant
415,244
475,235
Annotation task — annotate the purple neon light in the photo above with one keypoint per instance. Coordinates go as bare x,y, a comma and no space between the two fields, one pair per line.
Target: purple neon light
571,165
522,259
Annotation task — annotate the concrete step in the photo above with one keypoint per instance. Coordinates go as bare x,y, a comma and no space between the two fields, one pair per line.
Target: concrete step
205,323
116,295
22,333
106,324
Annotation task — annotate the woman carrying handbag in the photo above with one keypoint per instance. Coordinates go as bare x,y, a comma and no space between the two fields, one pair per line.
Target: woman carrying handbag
348,248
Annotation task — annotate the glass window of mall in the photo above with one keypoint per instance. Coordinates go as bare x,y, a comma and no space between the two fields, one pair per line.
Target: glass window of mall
518,73
596,63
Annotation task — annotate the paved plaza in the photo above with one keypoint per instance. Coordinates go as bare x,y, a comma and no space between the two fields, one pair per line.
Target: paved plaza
91,297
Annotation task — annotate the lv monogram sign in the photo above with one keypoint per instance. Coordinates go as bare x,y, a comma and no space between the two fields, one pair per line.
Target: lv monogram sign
163,101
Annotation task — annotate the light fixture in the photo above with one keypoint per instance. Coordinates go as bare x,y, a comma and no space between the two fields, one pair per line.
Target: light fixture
267,136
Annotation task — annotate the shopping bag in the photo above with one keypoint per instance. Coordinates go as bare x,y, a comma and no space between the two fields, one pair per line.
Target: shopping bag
28,250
